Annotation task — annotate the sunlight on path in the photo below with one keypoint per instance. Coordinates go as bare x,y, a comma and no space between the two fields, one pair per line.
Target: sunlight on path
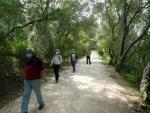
89,90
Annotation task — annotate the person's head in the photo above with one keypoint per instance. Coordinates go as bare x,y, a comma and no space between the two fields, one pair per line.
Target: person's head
30,52
57,51
73,51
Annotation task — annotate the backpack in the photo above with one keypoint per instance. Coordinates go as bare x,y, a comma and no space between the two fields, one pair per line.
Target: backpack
56,59
73,57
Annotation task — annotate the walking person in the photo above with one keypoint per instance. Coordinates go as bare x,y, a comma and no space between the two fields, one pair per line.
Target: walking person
56,62
32,70
73,58
88,56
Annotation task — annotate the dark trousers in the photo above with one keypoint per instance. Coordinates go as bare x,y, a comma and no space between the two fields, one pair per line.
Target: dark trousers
73,63
88,59
56,71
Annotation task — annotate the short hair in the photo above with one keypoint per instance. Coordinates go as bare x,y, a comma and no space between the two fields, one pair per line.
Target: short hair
57,50
30,50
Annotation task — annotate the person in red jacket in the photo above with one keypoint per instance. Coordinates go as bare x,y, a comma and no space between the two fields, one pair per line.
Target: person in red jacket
32,70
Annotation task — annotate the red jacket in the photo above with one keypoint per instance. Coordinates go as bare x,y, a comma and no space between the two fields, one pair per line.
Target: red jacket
33,68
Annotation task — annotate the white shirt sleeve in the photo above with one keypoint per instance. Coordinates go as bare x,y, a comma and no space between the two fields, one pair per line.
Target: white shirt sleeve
52,60
60,59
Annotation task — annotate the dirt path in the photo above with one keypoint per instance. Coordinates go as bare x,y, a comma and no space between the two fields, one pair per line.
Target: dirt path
90,90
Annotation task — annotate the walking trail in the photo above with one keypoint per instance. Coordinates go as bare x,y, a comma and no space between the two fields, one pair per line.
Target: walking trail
92,89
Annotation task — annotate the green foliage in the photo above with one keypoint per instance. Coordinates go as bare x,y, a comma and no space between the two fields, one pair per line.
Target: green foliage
48,24
11,14
111,32
45,26
18,48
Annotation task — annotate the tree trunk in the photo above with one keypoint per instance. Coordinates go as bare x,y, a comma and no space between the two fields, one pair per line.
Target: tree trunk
145,86
119,65
122,57
123,38
111,54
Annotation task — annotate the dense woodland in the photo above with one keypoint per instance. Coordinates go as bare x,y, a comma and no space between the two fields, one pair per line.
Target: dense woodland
118,29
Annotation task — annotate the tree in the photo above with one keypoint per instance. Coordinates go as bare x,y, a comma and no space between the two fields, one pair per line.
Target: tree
128,21
124,19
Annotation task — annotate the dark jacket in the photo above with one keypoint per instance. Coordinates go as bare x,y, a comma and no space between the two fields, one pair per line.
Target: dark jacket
33,68
74,59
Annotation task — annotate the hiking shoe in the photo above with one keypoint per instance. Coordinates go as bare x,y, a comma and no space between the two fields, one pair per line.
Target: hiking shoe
41,107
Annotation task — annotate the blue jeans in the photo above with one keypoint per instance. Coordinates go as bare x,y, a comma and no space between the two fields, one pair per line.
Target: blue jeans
29,84
73,63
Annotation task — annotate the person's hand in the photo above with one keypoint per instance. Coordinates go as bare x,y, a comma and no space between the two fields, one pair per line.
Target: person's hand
51,65
42,78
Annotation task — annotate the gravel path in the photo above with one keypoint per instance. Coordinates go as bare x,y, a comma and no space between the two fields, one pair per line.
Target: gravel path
90,90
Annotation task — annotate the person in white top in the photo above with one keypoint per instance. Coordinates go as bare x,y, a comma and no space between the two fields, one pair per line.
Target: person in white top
56,62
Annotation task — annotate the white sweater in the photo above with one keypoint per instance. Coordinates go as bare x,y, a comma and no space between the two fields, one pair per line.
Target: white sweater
56,60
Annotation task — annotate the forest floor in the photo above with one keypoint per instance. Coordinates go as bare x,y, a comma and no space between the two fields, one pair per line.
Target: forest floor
95,88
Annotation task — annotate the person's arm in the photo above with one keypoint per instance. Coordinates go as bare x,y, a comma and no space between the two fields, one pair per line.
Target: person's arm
70,59
38,62
60,59
41,64
77,58
52,61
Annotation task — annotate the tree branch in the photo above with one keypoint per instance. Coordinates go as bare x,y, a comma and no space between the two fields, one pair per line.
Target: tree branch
31,22
135,41
128,8
138,11
135,49
46,8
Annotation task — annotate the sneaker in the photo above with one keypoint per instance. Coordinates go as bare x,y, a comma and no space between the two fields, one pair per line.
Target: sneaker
41,107
56,81
74,71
